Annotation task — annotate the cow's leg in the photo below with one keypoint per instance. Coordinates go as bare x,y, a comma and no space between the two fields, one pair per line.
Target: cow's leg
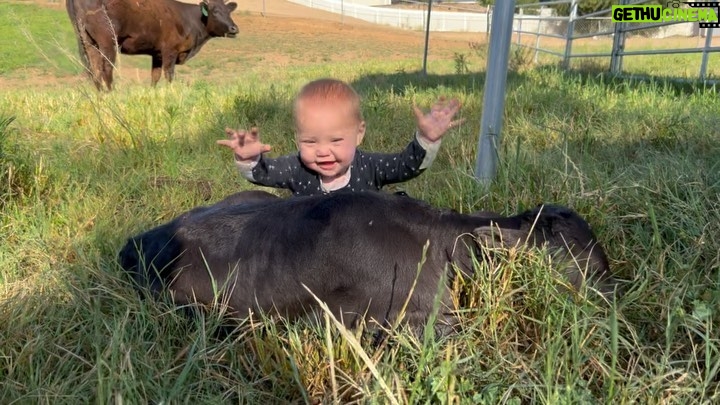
108,66
156,69
170,72
430,295
86,46
169,65
102,60
418,317
95,61
103,50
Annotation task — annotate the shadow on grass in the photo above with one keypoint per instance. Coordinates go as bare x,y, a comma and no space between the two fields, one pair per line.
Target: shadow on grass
598,74
400,82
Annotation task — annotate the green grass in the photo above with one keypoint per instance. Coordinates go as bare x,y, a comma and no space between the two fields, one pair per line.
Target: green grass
81,171
37,38
679,65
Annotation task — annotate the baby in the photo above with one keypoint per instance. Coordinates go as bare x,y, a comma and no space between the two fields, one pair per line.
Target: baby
329,127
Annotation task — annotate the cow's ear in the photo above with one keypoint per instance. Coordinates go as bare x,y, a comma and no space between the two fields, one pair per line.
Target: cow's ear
232,6
204,8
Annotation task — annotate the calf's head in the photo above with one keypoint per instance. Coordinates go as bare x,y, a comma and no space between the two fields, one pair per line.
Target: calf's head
567,237
217,19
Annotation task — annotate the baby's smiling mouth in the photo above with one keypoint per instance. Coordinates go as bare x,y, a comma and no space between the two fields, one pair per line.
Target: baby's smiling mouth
326,165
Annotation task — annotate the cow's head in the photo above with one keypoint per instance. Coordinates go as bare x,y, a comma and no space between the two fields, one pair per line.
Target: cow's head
567,236
217,19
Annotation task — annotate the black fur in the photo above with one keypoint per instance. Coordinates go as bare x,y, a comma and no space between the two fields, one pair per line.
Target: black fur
358,252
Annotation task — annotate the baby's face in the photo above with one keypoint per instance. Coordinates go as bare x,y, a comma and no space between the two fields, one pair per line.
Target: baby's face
327,135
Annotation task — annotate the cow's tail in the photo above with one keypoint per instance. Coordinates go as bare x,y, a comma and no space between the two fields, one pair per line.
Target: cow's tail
82,37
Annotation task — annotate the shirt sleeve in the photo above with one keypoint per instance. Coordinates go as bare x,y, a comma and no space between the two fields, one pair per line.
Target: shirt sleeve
271,172
246,168
392,168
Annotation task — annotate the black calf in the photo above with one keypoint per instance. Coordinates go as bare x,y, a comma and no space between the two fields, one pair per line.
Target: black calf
358,252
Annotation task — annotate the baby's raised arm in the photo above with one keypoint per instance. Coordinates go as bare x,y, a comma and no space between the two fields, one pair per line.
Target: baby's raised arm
433,125
245,144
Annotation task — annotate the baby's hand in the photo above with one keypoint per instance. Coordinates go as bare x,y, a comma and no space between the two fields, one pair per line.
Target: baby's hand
245,144
432,126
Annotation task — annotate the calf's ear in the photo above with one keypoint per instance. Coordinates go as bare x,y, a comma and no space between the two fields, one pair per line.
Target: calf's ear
494,236
232,6
204,8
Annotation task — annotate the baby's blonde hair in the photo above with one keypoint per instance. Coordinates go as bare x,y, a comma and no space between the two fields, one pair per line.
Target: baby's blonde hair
329,90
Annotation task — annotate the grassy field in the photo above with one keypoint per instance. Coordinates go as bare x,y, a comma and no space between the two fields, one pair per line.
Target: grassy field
682,65
82,171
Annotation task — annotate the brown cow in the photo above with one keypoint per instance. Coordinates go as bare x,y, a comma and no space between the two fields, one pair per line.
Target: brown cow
169,31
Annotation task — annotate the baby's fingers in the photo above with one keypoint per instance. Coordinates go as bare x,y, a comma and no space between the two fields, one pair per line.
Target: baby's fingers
253,134
230,133
225,142
418,112
455,105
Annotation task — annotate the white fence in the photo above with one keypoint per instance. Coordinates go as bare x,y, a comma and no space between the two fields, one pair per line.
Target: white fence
373,2
476,22
408,19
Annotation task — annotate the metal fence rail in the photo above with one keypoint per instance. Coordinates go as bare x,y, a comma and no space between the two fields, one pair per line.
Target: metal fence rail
596,25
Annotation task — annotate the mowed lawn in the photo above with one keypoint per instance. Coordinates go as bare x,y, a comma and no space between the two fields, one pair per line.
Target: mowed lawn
81,171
